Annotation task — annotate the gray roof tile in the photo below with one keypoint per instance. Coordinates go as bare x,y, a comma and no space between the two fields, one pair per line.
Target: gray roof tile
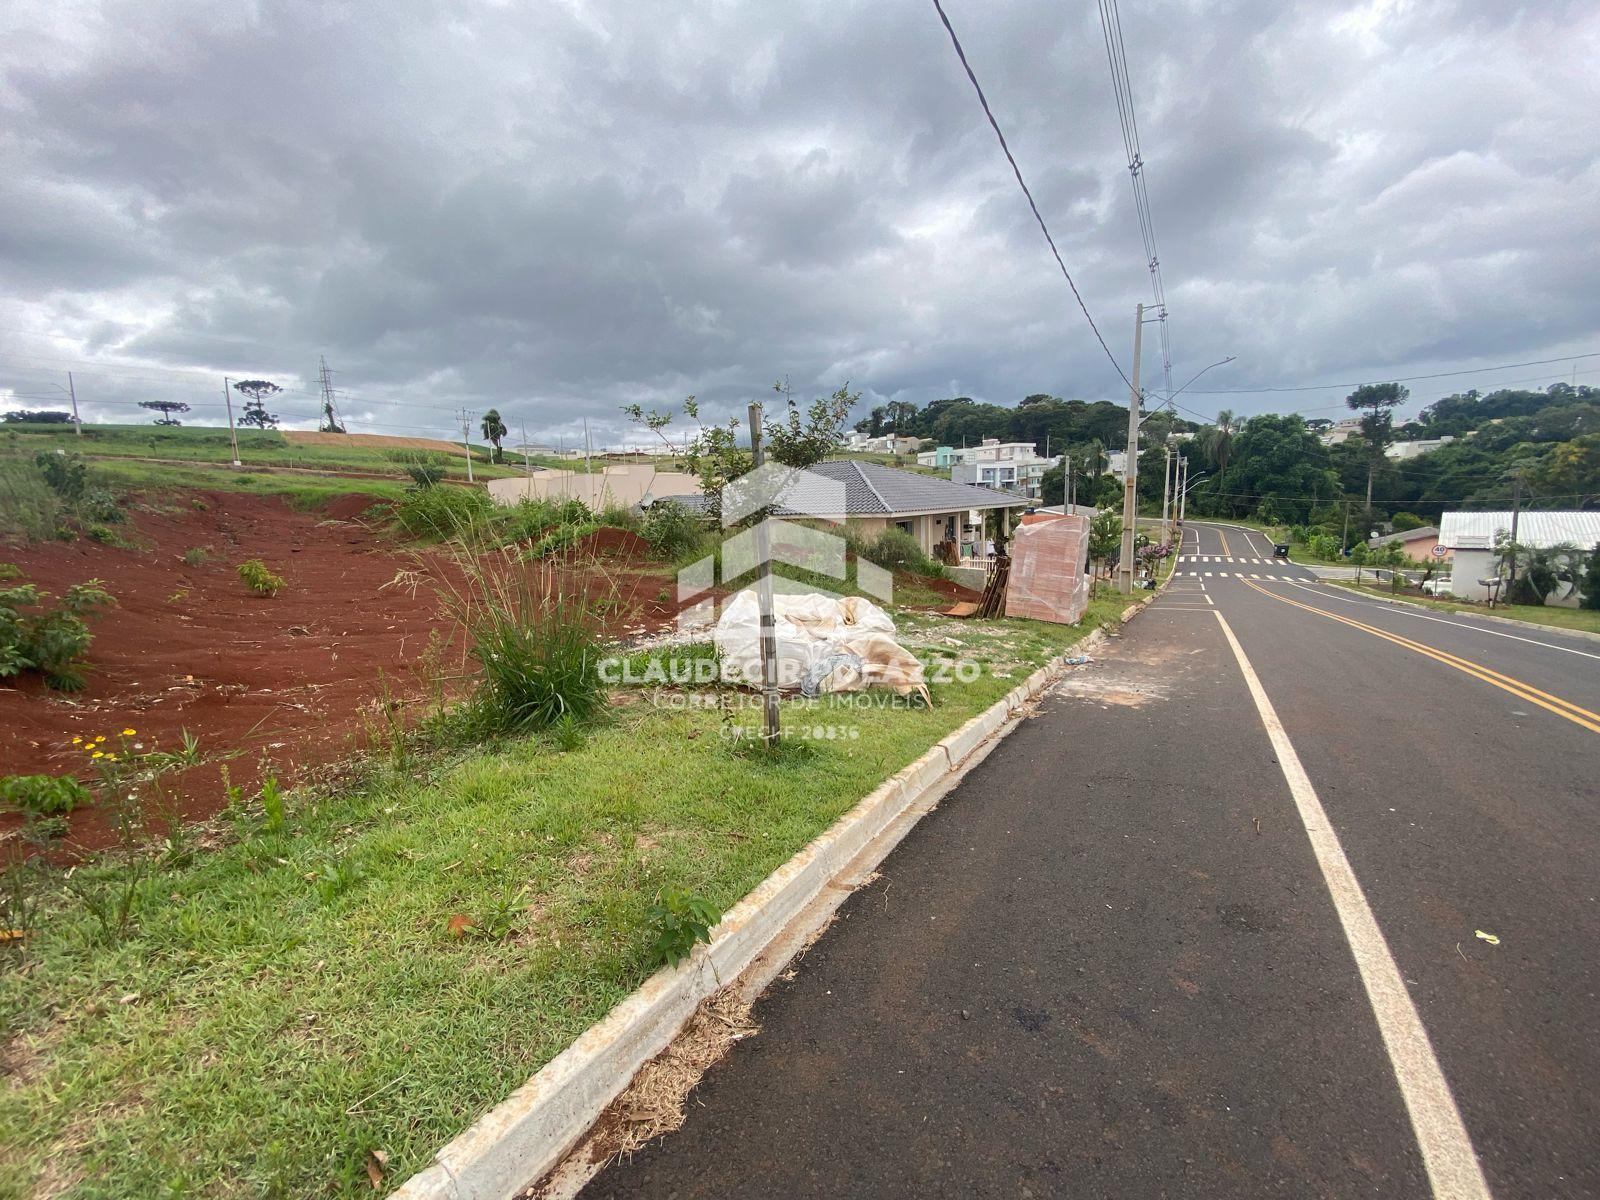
871,489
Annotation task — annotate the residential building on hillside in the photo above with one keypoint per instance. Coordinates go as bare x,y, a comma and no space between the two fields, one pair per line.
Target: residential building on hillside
1340,431
1117,463
1469,537
1400,451
1009,466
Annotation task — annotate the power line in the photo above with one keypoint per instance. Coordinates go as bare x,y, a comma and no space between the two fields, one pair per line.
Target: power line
1317,387
1017,171
1122,86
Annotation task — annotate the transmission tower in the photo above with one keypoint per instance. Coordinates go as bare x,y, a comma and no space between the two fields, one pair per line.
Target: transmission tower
330,410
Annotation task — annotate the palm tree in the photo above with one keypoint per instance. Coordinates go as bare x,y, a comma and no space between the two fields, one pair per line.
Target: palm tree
493,430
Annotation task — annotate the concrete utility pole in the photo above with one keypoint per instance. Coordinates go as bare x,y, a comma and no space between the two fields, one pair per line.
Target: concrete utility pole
72,390
233,436
1068,493
769,633
527,460
1516,511
466,441
1166,493
1183,485
1130,483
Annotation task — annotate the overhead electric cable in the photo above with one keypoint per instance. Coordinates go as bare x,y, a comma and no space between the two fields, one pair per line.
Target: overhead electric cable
1017,171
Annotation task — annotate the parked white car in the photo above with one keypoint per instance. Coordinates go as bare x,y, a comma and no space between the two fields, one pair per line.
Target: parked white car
1437,587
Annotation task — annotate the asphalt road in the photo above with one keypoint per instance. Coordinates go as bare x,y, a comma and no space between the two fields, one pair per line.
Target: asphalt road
1122,959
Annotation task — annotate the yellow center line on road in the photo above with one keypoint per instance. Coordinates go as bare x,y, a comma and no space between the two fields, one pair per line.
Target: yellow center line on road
1226,552
1577,714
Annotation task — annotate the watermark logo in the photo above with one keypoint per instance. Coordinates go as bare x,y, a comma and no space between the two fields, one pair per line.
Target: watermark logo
782,492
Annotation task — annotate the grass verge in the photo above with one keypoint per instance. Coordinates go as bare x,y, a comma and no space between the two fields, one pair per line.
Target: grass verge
376,966
1587,620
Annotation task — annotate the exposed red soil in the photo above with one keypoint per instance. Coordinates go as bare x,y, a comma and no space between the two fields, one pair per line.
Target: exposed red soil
610,542
282,684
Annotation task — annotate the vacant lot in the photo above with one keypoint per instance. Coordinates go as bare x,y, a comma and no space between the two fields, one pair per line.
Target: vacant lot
276,684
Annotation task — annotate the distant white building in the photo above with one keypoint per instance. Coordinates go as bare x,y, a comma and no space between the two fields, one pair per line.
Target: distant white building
1470,538
1117,463
1400,451
1008,466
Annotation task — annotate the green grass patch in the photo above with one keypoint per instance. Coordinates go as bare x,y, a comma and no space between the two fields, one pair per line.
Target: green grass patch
1587,620
374,966
257,448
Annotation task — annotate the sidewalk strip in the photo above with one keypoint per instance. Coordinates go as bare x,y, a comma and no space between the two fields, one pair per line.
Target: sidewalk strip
1447,1152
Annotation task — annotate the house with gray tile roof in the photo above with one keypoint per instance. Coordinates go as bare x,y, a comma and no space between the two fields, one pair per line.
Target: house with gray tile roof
877,497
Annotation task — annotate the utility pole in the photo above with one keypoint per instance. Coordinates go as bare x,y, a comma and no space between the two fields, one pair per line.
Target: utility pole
466,441
72,389
527,461
769,635
233,436
1344,538
1166,493
1516,511
1130,483
1183,485
588,467
1069,493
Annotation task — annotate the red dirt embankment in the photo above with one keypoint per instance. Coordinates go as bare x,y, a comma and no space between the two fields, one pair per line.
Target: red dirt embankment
279,684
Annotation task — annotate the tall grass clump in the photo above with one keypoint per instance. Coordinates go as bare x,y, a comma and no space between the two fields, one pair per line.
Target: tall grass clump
536,638
674,531
28,506
895,550
444,512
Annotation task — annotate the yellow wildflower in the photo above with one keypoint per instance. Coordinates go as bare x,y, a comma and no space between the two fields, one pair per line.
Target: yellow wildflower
111,758
76,740
129,732
97,754
100,737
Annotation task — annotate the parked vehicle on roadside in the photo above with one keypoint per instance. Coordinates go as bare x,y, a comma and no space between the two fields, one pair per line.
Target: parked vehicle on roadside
1437,586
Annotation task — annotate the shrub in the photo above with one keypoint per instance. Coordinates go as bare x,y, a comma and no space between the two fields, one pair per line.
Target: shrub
51,640
67,475
895,549
194,556
444,512
1590,584
673,530
424,475
537,646
42,795
255,576
572,512
619,516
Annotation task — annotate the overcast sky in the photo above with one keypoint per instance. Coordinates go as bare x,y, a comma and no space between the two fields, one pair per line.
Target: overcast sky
559,208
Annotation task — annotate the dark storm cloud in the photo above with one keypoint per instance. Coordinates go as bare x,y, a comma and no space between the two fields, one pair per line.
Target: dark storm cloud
562,208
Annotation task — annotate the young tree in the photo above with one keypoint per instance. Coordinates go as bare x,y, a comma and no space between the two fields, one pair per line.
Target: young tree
1105,537
494,429
166,408
1359,554
255,408
1376,402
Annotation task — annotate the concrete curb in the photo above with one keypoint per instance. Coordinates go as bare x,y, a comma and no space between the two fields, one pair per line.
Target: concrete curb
1525,626
526,1136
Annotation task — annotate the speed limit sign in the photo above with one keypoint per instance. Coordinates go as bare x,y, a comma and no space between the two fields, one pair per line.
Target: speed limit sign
1439,551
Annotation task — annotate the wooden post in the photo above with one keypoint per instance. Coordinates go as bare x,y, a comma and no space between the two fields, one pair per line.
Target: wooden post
769,633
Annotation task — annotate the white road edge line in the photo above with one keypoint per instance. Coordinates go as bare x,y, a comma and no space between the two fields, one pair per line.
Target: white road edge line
1411,612
1447,1153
